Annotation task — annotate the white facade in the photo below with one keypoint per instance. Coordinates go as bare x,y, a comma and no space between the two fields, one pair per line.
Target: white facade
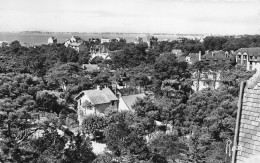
103,40
103,55
3,43
73,40
52,40
207,80
203,84
95,102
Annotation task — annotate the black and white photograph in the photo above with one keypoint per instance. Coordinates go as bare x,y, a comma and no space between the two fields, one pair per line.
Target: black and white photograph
129,81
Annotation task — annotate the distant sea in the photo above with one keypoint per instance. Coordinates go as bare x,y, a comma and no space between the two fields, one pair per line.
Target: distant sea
38,39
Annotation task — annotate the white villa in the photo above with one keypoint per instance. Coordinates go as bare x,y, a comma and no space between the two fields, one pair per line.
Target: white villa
52,40
249,57
95,102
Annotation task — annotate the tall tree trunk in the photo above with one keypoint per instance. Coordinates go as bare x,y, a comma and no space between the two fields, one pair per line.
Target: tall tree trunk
198,81
215,78
8,126
44,81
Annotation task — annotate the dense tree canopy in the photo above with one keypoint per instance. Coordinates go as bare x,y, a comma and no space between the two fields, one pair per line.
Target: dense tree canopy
167,67
38,111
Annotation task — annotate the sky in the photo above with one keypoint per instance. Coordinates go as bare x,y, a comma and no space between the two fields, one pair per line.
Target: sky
137,16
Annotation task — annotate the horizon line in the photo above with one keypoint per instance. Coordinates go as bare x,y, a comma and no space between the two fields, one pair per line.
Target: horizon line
151,33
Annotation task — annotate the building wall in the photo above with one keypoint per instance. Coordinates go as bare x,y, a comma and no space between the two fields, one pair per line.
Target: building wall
96,109
103,40
50,41
103,55
249,129
204,84
255,65
244,60
206,81
101,108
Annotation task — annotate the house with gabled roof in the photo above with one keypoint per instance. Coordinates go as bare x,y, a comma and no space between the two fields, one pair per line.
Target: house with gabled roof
249,57
3,44
78,46
52,40
76,43
95,102
216,57
76,39
193,57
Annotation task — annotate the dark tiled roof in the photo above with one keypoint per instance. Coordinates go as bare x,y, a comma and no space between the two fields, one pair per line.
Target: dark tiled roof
54,38
214,55
250,51
76,37
131,99
182,58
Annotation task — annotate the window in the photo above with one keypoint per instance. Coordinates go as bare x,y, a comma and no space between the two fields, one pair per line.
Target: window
81,113
244,56
80,102
250,65
251,57
239,56
112,103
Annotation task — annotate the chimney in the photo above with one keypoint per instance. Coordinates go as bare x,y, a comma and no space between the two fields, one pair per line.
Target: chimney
118,95
199,55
